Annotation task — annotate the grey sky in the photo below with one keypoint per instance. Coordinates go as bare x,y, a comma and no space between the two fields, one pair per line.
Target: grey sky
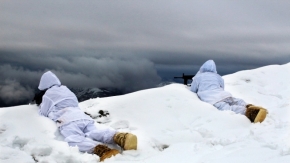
103,43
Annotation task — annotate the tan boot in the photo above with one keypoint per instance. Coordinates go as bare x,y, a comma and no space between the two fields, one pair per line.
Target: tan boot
256,113
126,141
249,105
105,152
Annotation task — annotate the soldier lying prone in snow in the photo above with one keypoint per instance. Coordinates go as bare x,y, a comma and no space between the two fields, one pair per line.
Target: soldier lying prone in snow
59,104
209,87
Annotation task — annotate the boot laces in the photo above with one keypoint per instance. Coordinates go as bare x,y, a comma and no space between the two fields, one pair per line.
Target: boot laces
100,150
121,138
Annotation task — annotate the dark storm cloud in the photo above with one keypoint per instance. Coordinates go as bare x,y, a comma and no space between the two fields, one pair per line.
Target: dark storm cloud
12,92
126,74
189,26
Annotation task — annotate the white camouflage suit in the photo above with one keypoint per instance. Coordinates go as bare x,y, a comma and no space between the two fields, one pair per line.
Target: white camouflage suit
209,87
61,105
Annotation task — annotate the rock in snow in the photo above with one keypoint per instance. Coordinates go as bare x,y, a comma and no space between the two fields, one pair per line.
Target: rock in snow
171,123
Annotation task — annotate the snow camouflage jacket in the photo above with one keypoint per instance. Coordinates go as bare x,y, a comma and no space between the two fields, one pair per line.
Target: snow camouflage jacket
58,102
208,85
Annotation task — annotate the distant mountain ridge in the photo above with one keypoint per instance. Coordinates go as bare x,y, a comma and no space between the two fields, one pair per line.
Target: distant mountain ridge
89,93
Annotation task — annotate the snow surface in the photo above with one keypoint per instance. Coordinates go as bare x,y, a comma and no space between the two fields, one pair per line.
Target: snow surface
171,123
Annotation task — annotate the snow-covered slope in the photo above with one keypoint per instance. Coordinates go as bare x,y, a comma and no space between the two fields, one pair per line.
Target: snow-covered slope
171,123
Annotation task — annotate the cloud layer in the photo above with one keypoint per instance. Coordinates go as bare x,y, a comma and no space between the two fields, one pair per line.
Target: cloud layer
22,75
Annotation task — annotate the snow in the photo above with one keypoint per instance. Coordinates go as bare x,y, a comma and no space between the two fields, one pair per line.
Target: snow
171,123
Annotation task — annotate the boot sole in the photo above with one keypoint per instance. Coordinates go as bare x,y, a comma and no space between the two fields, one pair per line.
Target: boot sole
261,116
131,142
109,154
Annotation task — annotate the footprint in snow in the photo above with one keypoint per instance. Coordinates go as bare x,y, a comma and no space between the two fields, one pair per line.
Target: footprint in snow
20,142
158,145
120,124
2,129
41,150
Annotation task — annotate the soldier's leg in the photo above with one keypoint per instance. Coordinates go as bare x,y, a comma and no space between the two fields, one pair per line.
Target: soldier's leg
74,136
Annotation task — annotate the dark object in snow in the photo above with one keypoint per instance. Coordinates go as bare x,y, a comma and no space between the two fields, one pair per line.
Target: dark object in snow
88,114
34,158
102,117
185,78
103,113
164,146
38,97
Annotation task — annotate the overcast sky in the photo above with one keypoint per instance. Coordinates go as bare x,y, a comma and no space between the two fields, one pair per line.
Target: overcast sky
133,45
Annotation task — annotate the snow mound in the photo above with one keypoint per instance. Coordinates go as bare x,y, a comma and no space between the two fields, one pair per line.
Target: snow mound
171,123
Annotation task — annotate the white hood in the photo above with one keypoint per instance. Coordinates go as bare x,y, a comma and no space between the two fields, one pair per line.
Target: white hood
208,66
48,80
